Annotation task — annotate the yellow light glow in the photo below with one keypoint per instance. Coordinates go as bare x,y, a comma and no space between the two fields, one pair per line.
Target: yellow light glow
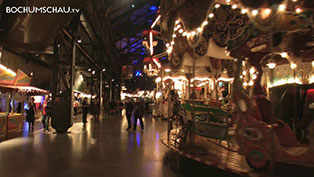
293,65
271,65
172,43
254,76
228,1
167,45
244,72
245,84
313,63
266,13
282,7
177,22
234,6
298,10
158,79
199,29
211,15
217,5
169,50
168,70
243,11
251,83
174,35
193,33
181,31
184,34
254,12
252,70
205,23
284,54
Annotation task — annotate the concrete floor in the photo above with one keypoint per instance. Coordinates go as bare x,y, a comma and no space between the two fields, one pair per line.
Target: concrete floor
103,149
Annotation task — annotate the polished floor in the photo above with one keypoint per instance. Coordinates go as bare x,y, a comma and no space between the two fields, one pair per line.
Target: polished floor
103,149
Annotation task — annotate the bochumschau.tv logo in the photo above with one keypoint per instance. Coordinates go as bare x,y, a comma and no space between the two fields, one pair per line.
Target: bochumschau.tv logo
40,10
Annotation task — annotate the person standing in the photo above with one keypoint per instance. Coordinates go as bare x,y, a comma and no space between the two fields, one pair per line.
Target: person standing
128,111
85,109
94,108
30,115
48,111
44,117
75,106
138,113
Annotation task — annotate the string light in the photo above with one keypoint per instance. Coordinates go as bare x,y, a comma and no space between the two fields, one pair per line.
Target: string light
217,5
281,7
284,55
251,83
244,73
169,50
266,13
184,34
243,11
172,43
234,6
193,33
177,22
228,1
298,10
174,35
252,70
199,29
293,65
313,63
254,12
211,15
205,23
167,45
181,31
254,76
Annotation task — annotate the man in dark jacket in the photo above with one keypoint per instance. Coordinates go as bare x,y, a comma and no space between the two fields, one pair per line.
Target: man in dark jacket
129,106
85,107
138,113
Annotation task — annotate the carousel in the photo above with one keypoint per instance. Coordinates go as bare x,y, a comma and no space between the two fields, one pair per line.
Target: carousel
239,85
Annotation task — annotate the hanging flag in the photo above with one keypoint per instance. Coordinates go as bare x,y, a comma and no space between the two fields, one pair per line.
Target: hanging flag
7,76
22,79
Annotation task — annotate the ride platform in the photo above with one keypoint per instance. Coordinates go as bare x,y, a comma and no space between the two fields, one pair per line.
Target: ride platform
212,154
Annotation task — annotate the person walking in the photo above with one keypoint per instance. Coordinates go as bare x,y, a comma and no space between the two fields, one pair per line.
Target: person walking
138,113
30,114
85,109
94,109
48,111
129,106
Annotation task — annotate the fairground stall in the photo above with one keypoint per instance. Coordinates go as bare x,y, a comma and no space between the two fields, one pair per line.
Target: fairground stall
14,97
259,56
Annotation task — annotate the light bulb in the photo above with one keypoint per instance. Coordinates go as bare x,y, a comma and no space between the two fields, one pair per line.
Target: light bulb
293,65
181,31
205,23
217,5
298,10
199,29
284,54
254,12
243,11
211,15
281,7
234,6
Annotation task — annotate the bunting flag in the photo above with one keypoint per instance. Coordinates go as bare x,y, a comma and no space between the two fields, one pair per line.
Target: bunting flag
7,76
22,79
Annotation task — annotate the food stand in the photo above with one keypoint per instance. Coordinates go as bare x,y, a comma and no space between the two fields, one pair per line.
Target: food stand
14,88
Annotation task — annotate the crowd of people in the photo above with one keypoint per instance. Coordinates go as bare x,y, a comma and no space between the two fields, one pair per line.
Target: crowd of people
132,107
